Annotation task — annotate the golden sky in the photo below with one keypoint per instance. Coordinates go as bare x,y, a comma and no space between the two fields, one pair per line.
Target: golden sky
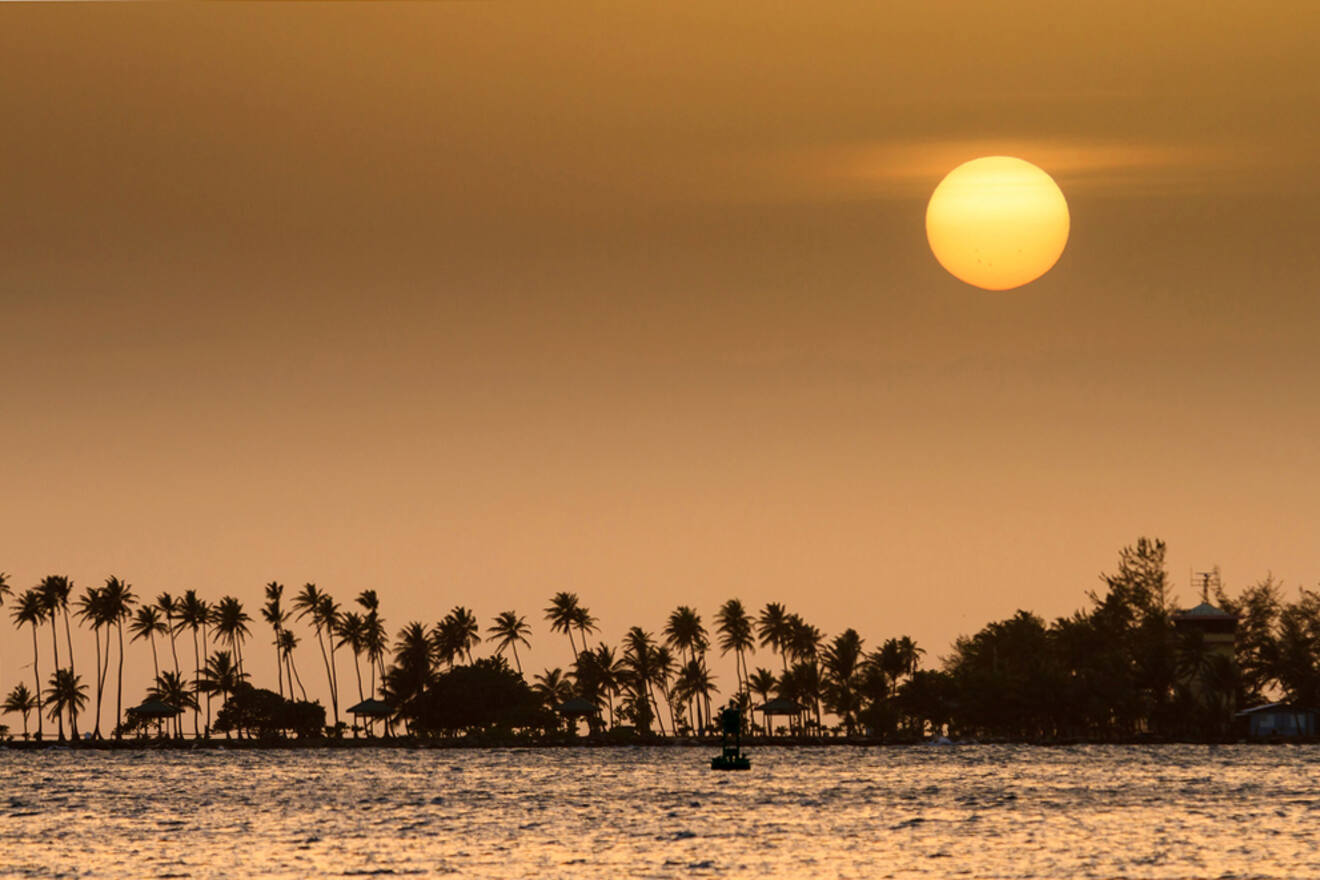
471,303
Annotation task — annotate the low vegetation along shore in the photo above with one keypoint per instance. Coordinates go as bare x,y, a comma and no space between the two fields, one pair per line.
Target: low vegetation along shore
1118,670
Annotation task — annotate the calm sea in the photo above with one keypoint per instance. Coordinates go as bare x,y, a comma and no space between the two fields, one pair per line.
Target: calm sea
979,811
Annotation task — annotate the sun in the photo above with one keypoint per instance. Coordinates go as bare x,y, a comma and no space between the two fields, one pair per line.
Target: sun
997,222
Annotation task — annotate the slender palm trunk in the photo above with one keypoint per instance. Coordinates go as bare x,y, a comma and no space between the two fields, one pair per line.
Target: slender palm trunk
119,685
197,680
68,637
279,666
155,665
208,693
516,661
100,681
55,643
36,674
334,680
294,676
329,675
357,669
173,647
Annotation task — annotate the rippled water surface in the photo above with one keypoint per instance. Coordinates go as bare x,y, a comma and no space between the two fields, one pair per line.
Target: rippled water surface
980,811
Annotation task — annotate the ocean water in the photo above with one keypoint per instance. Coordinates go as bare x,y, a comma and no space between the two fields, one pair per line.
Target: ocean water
975,811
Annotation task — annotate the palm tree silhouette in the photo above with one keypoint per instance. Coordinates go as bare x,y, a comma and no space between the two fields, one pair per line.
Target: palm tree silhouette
172,690
466,629
275,615
804,639
373,635
194,614
775,630
21,701
564,614
324,611
32,611
169,606
407,679
66,693
509,629
735,630
762,683
147,624
843,663
6,590
684,632
584,622
231,625
351,633
54,591
92,609
553,687
639,658
119,599
222,676
289,641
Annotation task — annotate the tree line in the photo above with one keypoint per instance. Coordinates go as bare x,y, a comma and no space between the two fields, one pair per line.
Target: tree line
1116,669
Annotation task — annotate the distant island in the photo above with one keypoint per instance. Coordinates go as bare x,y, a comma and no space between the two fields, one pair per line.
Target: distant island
1128,667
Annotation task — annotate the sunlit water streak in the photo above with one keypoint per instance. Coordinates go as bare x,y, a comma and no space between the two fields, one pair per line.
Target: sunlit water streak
980,811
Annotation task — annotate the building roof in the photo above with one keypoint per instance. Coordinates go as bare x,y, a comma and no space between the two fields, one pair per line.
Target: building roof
577,706
371,707
780,706
1205,611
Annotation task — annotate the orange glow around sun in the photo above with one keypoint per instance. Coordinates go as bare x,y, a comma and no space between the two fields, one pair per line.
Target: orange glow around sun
997,222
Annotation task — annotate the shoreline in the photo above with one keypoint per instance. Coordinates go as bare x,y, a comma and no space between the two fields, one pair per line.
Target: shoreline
350,744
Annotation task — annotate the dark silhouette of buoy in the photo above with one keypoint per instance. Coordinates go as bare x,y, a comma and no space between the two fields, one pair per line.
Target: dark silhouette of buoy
731,756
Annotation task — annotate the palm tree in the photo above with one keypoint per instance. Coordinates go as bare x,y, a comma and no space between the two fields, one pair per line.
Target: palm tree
32,611
373,635
324,611
407,679
147,623
289,641
843,664
222,676
509,629
804,639
66,693
351,632
6,590
684,632
20,700
274,614
231,624
169,606
92,609
910,654
563,614
445,643
467,631
172,690
775,630
194,614
54,591
584,622
118,599
553,687
735,630
763,683
647,665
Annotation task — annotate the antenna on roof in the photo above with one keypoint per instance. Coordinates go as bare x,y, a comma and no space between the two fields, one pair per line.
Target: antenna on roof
1206,578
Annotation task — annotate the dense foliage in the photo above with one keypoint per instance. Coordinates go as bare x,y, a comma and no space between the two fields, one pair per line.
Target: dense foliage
1118,668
